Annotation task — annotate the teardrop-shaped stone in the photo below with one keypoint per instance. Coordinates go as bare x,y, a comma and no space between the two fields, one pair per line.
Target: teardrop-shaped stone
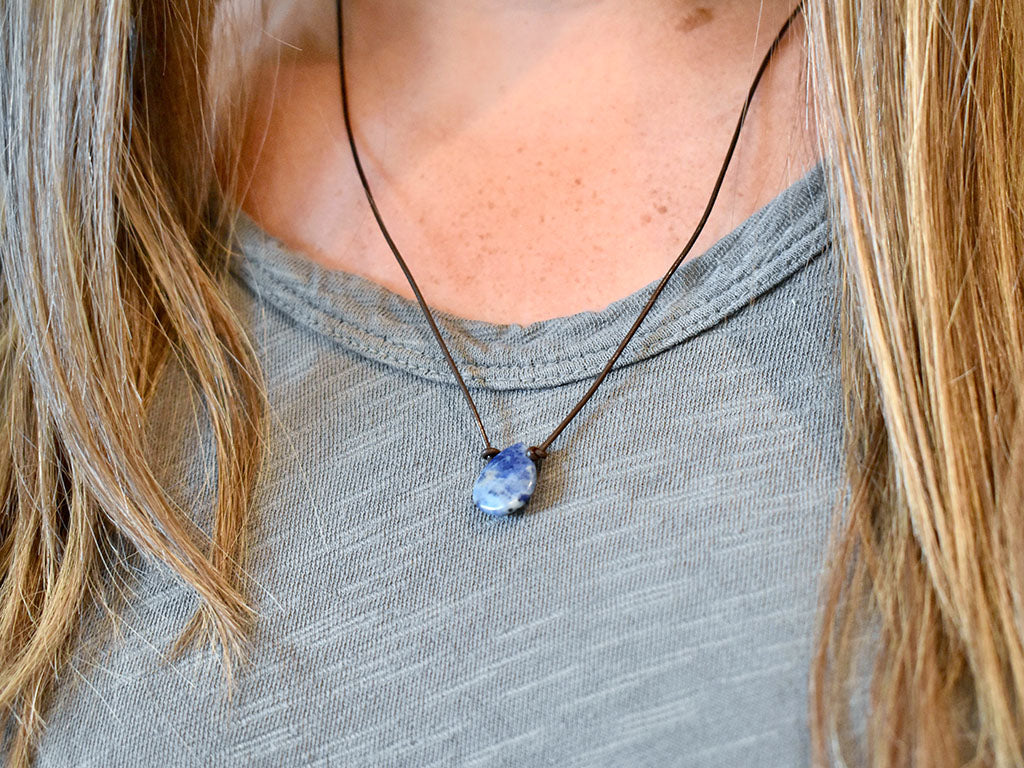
506,482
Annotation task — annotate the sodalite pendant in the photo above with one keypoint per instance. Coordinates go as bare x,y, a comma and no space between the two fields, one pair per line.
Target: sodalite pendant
506,483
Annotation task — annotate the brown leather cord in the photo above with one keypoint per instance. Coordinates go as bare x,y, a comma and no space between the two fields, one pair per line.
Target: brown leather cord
538,452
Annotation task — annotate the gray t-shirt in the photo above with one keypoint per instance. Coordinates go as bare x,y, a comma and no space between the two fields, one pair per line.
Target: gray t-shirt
654,606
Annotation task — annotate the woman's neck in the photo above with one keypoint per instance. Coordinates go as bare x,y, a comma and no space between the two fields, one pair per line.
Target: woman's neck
441,65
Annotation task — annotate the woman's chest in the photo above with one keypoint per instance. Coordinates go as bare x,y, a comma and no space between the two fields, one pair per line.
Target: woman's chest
654,605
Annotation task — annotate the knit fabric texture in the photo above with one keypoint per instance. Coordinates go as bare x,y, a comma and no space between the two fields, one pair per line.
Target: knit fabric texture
655,605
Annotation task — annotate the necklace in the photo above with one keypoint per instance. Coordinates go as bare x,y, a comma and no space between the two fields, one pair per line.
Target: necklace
509,478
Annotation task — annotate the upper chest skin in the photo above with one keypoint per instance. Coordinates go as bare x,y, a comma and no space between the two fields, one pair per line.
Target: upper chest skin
563,190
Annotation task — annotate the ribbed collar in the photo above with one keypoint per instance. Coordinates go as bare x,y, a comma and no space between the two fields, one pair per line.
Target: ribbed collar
367,319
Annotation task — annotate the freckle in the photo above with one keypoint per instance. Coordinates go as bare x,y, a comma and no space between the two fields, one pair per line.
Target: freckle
691,21
520,150
661,209
490,205
542,218
615,170
577,181
540,162
646,218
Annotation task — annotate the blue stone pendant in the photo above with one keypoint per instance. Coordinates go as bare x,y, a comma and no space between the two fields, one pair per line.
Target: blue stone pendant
506,483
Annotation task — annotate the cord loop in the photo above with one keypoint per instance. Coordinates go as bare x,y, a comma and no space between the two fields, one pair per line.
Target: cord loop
539,452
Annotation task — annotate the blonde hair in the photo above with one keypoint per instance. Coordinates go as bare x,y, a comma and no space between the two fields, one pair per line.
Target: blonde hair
121,142
922,123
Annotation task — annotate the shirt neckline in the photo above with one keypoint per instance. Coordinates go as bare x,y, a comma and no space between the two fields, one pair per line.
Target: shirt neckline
374,322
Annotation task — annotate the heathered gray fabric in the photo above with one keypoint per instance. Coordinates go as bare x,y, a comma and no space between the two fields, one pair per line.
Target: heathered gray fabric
654,607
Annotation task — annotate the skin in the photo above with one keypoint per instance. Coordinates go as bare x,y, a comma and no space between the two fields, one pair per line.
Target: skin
531,158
